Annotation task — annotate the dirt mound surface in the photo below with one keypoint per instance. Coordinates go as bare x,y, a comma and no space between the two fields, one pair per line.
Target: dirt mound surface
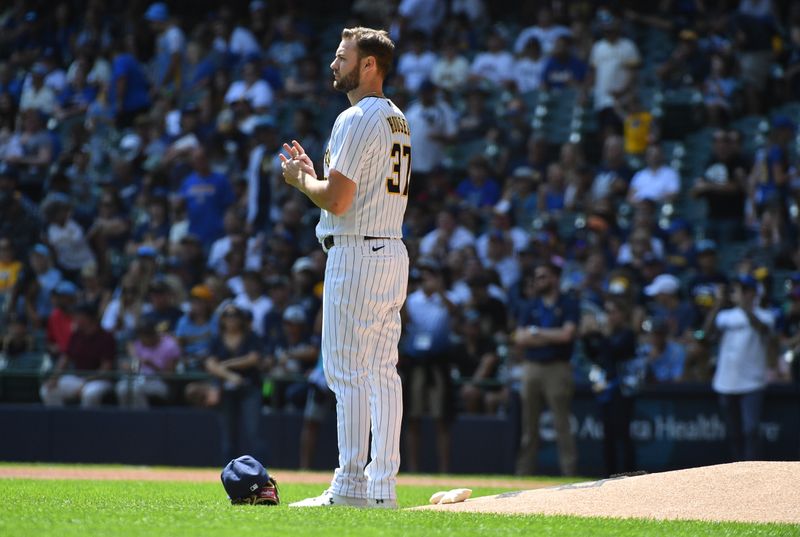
739,492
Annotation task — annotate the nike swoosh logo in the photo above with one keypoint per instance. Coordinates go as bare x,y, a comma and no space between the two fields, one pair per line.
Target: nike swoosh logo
376,248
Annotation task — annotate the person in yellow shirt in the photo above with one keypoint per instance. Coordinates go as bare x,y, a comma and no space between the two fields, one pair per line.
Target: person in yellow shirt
639,127
9,266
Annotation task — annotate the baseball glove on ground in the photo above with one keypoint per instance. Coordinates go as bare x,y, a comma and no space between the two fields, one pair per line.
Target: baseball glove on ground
266,495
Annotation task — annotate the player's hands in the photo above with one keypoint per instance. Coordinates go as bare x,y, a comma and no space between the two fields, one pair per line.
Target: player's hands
297,164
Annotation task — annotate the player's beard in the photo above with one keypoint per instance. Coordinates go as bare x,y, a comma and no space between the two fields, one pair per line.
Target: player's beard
348,82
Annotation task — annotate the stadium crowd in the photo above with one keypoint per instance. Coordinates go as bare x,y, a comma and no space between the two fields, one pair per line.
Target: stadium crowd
586,176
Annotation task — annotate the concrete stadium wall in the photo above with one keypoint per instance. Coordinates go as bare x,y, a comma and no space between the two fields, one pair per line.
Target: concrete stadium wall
673,428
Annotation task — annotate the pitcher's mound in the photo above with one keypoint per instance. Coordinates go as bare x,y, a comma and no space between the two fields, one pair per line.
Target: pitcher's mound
740,492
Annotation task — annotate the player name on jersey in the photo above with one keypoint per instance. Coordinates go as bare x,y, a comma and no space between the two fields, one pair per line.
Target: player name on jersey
398,125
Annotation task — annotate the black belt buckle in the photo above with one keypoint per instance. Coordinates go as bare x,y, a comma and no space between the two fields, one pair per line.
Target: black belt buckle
327,242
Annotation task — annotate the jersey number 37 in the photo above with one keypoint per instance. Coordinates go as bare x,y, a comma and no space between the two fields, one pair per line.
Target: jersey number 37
401,156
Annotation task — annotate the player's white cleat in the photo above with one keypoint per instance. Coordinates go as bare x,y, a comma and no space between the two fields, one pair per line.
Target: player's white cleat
330,499
382,504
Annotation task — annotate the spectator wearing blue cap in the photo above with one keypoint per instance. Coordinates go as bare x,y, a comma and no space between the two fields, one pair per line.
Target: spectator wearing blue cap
46,277
170,47
772,173
741,371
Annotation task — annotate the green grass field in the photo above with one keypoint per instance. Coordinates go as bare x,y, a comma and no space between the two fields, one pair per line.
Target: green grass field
64,508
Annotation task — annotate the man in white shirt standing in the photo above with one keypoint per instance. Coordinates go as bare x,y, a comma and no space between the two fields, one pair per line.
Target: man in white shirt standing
433,124
614,60
416,64
741,373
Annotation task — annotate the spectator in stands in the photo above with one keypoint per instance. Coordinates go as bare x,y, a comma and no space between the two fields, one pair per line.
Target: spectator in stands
234,360
66,237
17,341
448,235
421,15
478,190
428,314
433,124
614,174
723,186
477,362
417,63
545,31
80,372
741,371
494,66
666,303
123,311
32,152
208,195
638,126
60,322
451,70
160,308
251,89
611,345
19,220
528,67
253,300
38,96
665,356
10,267
546,330
753,38
657,181
476,119
687,66
151,354
196,328
170,48
772,173
613,61
719,90
129,90
293,353
563,69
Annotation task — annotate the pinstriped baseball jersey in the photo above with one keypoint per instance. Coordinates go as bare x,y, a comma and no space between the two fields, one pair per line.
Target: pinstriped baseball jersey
370,144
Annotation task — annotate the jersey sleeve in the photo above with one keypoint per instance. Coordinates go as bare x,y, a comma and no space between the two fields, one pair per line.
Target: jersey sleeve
350,149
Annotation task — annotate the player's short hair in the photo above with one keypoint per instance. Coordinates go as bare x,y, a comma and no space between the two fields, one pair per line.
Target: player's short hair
375,43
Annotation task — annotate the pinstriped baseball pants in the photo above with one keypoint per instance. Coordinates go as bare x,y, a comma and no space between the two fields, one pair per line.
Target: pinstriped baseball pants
365,287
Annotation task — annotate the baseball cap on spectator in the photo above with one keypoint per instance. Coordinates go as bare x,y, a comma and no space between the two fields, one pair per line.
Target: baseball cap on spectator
157,12
263,122
243,477
146,251
663,284
39,69
257,5
294,314
301,264
202,292
41,249
427,85
783,122
66,288
747,281
706,246
130,146
428,263
618,285
679,224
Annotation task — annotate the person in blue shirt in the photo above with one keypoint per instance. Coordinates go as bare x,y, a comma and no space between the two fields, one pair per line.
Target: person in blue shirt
774,184
546,331
129,91
479,190
208,195
563,69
